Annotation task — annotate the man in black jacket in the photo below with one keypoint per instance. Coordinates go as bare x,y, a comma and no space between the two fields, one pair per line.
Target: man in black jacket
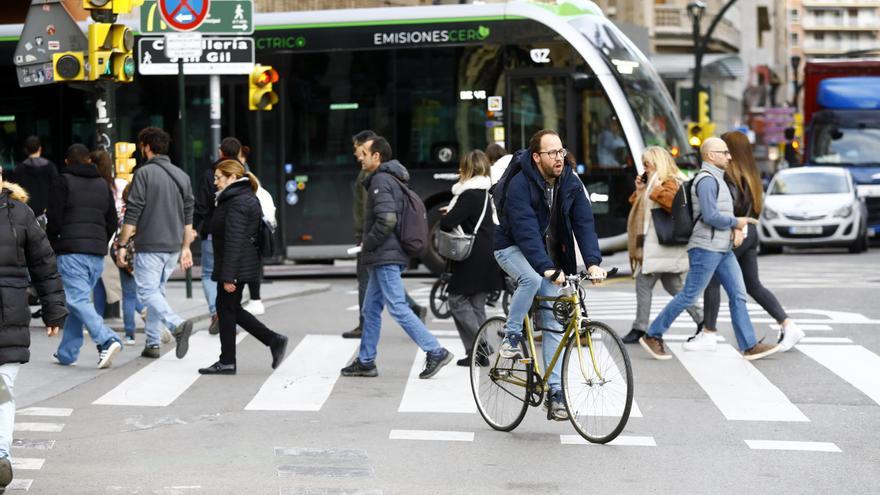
230,148
385,259
81,220
23,249
36,175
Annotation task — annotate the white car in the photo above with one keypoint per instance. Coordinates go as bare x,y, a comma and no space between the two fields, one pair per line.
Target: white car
815,207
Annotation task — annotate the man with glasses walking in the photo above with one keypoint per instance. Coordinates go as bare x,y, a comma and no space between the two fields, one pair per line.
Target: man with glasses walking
543,208
710,252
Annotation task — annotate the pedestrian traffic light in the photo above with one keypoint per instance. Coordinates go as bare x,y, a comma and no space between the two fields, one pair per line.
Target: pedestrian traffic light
260,94
100,50
124,162
69,66
122,57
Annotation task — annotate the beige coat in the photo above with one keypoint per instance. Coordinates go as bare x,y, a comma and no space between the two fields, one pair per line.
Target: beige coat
657,258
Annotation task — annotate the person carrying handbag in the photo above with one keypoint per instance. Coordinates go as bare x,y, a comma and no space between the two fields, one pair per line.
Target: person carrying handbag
470,212
651,261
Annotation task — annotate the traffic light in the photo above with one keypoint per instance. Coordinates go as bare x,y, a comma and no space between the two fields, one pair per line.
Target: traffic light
260,94
99,50
122,57
124,162
704,109
695,136
69,66
112,6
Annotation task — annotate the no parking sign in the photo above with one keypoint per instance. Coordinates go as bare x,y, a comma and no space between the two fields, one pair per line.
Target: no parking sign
184,15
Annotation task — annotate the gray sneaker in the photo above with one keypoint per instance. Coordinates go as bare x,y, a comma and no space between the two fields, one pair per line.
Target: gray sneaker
555,406
510,346
434,363
167,337
151,351
181,334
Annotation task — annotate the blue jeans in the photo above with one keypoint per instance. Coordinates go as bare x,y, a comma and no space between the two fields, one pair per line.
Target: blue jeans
703,265
529,284
130,302
99,296
386,288
79,274
151,272
8,372
208,285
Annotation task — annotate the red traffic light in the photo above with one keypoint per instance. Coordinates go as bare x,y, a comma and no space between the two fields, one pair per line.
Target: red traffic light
266,76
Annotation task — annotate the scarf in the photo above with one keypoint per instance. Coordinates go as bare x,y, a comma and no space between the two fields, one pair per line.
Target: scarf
479,182
635,227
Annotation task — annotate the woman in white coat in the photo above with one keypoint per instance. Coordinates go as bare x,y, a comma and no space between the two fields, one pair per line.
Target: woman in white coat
649,260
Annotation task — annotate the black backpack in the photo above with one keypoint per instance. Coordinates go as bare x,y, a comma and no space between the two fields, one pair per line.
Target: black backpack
412,229
499,189
682,215
265,239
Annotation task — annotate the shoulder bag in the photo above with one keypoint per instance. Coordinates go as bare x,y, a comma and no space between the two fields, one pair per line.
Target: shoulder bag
457,245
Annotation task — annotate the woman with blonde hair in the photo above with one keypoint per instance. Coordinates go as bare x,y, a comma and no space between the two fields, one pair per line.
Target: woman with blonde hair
234,228
474,277
651,261
744,181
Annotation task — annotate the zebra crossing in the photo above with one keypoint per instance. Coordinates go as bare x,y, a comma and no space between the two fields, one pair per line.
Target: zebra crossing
22,465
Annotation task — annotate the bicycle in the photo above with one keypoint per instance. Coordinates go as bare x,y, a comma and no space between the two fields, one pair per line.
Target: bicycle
598,384
439,298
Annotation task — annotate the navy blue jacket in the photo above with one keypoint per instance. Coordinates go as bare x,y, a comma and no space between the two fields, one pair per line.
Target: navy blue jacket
526,218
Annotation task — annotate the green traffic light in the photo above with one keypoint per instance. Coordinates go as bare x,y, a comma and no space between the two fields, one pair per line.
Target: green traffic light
128,67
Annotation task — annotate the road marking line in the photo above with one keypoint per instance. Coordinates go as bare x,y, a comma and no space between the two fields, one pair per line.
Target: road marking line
352,308
854,363
28,463
622,441
443,436
789,445
813,328
738,389
683,337
310,490
44,427
447,320
45,411
20,485
306,378
449,391
352,292
161,382
825,340
445,333
23,443
582,402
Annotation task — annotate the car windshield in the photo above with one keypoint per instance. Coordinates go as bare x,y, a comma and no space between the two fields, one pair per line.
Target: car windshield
835,145
650,102
813,183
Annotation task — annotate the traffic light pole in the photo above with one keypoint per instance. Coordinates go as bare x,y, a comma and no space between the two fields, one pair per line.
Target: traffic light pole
105,115
181,94
700,46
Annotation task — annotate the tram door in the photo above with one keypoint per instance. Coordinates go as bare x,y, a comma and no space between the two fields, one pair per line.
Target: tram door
539,100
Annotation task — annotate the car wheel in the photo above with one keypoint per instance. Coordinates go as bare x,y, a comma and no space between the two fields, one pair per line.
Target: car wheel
860,244
767,249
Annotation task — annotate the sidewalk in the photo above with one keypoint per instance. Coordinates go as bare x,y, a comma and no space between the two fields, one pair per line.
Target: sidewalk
41,378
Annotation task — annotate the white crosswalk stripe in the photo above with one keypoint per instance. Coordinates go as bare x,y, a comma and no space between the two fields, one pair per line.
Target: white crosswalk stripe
449,391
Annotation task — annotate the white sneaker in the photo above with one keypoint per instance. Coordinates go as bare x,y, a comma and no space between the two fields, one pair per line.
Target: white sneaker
255,307
129,340
167,336
791,335
105,358
703,341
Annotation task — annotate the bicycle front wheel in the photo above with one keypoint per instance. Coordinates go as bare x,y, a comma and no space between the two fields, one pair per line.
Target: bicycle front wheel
440,299
500,386
598,384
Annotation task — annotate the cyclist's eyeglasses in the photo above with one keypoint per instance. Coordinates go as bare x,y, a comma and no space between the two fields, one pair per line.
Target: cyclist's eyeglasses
560,153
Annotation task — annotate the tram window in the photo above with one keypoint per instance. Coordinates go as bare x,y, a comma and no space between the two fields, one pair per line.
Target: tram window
335,95
537,103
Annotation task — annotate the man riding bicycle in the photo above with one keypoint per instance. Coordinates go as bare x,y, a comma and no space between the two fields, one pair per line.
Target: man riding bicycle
542,208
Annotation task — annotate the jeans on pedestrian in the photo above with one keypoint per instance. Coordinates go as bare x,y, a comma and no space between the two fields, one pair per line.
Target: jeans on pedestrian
8,372
468,313
151,273
645,283
703,265
209,286
385,288
231,313
130,302
79,274
529,284
363,275
99,297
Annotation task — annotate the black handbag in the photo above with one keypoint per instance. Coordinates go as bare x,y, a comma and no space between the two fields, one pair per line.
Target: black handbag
663,225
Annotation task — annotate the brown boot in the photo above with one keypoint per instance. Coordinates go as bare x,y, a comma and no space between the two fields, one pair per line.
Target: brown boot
655,347
759,351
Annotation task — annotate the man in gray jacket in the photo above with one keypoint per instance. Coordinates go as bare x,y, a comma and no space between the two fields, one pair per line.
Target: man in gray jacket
160,209
710,252
385,259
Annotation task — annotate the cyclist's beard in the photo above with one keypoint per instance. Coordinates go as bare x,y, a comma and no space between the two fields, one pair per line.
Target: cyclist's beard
552,169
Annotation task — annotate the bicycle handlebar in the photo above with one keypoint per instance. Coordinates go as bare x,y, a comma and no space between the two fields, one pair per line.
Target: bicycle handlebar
586,276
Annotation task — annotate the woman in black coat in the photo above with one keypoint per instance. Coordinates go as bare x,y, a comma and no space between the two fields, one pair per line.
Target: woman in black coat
478,274
234,227
23,248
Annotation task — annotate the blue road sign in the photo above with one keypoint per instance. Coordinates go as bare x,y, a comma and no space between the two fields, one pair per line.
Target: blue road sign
184,15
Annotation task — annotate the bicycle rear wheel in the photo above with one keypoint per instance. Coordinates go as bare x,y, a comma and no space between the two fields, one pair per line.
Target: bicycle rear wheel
500,386
598,398
440,299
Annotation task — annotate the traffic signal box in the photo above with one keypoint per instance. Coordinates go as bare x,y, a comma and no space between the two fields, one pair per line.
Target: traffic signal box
703,128
69,66
111,52
260,94
112,6
124,162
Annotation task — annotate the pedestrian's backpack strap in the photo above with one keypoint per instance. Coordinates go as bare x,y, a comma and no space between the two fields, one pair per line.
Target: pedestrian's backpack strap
179,187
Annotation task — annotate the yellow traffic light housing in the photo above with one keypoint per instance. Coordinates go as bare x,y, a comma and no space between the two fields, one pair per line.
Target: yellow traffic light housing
695,138
69,66
260,94
112,6
122,56
124,162
703,107
100,50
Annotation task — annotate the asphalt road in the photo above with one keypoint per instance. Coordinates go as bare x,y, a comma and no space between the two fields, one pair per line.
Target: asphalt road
156,427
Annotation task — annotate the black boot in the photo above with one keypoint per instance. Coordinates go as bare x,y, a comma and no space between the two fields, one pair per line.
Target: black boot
633,336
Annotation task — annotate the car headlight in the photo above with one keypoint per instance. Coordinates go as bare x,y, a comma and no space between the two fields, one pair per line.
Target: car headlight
770,214
843,212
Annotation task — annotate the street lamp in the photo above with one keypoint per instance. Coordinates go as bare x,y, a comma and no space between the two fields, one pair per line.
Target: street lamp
696,9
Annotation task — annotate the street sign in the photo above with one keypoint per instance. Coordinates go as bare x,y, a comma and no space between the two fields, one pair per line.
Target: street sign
48,30
229,17
184,15
183,45
220,55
